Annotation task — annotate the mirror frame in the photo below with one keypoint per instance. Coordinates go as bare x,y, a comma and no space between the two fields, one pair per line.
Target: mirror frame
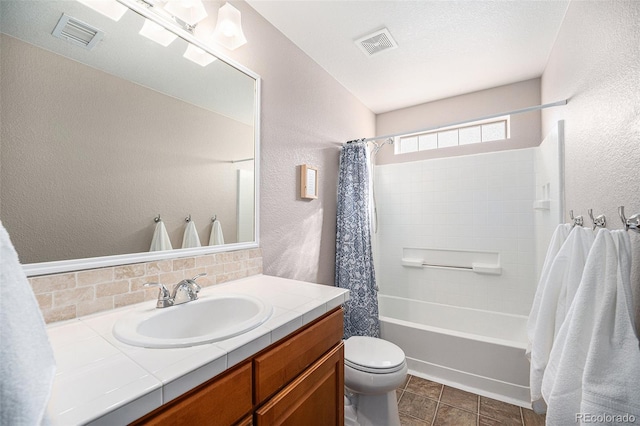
71,265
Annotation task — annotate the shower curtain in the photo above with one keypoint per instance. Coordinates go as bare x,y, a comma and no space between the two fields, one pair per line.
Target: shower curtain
354,258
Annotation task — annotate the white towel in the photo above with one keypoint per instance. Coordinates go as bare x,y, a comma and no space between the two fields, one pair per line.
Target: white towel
27,365
190,238
611,379
216,238
557,240
558,291
590,328
160,240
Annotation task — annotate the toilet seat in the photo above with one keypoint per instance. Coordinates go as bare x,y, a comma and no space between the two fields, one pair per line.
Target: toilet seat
372,355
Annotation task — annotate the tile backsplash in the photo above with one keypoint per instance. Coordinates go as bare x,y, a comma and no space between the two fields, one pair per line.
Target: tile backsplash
74,294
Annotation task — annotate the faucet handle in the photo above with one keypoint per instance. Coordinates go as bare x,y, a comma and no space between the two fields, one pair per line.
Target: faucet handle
198,276
193,282
164,297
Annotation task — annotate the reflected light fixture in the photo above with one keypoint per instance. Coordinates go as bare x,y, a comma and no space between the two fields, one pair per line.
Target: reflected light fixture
157,33
109,8
228,30
199,56
189,11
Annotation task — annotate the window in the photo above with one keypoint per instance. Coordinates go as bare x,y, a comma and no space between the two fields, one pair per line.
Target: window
477,132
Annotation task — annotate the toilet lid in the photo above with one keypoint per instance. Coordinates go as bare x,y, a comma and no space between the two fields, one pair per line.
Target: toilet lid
372,355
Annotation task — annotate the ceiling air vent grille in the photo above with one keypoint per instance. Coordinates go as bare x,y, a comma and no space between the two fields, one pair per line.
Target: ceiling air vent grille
377,42
77,32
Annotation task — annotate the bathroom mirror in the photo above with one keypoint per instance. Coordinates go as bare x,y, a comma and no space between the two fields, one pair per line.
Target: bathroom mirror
99,140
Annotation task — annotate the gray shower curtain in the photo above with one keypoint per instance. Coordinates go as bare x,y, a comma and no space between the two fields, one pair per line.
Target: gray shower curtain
354,259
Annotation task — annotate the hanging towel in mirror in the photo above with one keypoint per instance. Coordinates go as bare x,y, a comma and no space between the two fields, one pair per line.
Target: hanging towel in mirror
28,366
216,238
190,238
160,240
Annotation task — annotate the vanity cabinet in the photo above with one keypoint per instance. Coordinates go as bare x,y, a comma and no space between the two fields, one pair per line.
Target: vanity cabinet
315,398
298,380
223,400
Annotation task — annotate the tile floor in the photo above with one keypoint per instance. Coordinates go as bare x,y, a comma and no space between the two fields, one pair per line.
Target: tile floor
423,402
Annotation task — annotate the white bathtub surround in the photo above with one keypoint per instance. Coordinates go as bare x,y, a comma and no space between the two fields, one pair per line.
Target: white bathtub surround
595,361
479,203
557,294
27,365
102,381
478,351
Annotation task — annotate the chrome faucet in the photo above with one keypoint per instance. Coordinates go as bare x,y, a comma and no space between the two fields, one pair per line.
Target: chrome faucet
183,292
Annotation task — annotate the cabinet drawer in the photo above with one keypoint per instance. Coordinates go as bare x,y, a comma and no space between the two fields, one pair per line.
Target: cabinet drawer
221,401
316,398
278,366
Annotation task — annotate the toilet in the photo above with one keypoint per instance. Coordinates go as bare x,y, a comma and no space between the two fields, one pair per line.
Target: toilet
373,369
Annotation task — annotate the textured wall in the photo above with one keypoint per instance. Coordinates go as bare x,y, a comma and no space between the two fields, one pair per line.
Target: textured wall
89,159
525,128
306,116
596,64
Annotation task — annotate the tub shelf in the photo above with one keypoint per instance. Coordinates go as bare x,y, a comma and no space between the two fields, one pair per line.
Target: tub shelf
480,262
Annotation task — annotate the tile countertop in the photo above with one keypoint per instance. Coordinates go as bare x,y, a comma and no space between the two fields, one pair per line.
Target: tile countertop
102,381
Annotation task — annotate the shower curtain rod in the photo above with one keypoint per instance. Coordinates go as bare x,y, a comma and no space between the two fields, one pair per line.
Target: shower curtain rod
457,123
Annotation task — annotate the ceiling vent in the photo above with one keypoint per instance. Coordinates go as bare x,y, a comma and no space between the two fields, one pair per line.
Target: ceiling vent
377,42
77,32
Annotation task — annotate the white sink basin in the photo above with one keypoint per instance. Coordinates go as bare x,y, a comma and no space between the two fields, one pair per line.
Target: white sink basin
208,319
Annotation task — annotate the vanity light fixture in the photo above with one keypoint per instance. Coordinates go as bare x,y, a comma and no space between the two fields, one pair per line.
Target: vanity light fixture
109,8
157,33
228,30
199,56
188,11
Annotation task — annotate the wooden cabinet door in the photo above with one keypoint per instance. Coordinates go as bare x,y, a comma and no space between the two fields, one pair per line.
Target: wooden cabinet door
278,366
222,401
315,398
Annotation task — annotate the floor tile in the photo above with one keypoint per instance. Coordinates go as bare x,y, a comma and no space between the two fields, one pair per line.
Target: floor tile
460,399
487,421
398,394
412,421
507,414
532,419
417,406
424,387
451,416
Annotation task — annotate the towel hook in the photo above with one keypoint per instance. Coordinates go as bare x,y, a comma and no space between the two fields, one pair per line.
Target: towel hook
157,218
214,218
578,220
598,222
188,218
632,223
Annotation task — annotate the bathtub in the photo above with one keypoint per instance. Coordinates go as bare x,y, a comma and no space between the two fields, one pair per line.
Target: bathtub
478,351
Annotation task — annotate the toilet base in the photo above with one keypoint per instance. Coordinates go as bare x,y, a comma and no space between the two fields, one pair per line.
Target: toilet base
377,410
